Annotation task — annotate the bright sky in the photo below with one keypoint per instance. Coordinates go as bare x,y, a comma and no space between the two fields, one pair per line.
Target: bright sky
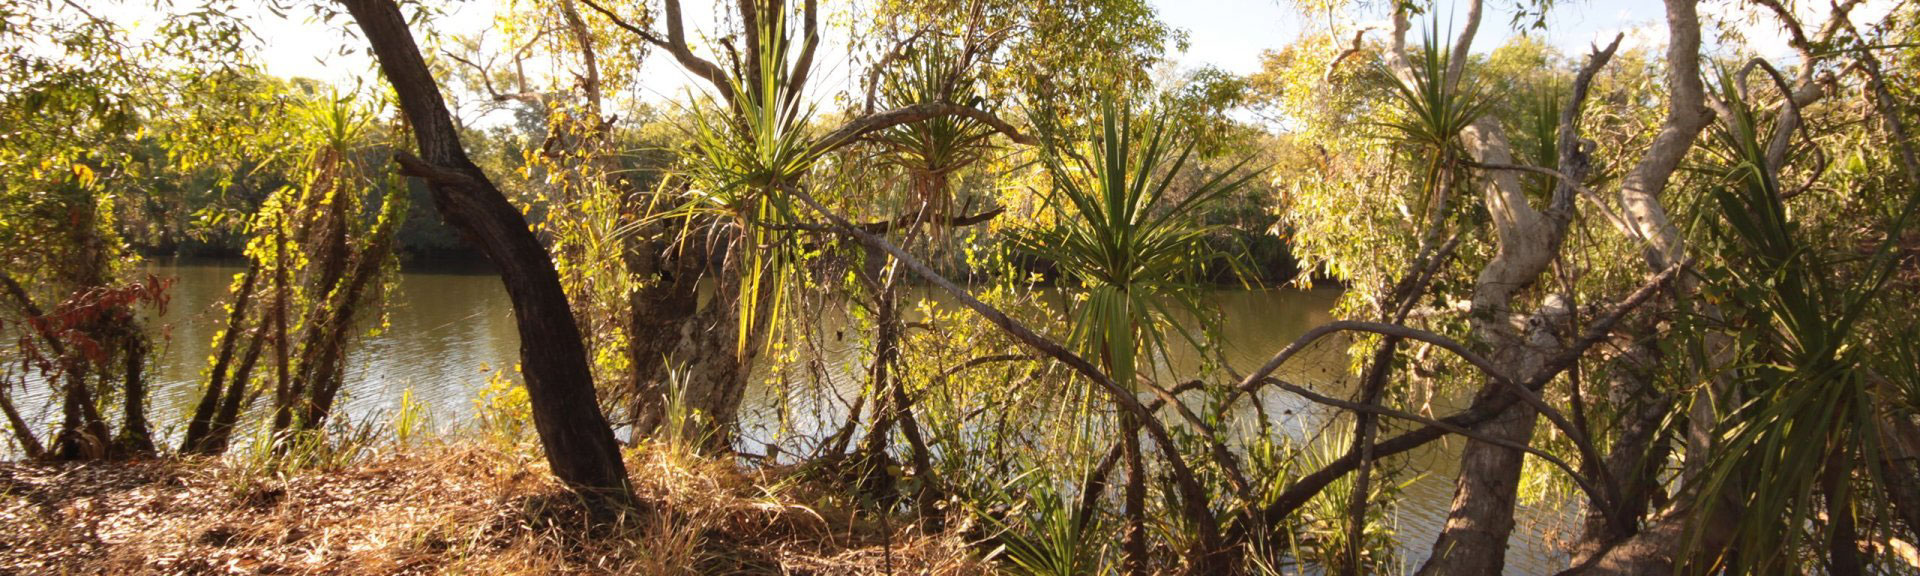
1228,34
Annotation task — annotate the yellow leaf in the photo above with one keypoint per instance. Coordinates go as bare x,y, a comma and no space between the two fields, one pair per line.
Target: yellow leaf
83,173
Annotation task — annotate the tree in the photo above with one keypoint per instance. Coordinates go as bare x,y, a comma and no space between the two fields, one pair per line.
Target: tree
574,434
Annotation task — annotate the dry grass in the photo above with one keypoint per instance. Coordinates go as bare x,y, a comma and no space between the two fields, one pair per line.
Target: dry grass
440,509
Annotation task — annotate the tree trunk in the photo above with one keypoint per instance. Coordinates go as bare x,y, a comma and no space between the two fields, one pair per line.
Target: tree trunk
715,372
22,433
1900,467
82,435
1655,549
1638,452
579,444
344,302
1365,428
1474,540
282,360
882,384
135,434
1843,536
1134,541
325,234
206,410
220,433
664,303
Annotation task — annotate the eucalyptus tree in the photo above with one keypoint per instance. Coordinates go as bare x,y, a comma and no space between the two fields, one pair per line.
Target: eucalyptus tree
583,171
1680,365
1789,400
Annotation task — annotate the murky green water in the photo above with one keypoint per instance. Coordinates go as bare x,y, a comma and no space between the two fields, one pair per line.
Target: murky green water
448,330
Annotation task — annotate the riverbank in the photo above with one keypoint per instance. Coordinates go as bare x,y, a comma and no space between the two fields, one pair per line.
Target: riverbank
453,507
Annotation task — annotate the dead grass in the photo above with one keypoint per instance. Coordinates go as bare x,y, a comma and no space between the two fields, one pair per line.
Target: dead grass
455,508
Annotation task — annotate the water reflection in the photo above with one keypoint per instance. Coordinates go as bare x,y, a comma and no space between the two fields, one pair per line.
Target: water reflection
447,330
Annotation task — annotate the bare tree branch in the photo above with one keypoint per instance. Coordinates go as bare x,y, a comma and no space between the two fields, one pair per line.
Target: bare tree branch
853,130
676,44
1194,502
1482,410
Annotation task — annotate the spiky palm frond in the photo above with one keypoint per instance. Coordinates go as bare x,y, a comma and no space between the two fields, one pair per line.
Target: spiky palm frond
940,144
744,160
1129,239
1435,108
1806,408
1053,539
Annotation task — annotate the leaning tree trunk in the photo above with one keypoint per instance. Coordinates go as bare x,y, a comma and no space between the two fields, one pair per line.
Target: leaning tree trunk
82,433
210,400
22,433
336,320
1474,540
235,397
1638,450
579,444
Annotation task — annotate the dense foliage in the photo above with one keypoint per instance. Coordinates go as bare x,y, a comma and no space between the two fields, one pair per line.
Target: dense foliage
1670,286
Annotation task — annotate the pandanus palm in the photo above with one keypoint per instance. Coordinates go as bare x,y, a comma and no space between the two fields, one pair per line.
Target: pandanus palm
742,162
1128,240
1804,413
932,149
747,152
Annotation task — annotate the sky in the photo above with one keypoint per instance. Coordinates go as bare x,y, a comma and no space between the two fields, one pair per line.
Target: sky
1227,34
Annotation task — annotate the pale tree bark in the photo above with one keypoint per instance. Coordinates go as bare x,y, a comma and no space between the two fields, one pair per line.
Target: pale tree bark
1481,519
1641,189
1474,539
1641,405
1638,452
579,444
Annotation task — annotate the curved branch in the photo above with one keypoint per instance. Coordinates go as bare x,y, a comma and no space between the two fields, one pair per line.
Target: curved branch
1495,373
1358,46
1195,504
885,226
1482,410
868,124
675,44
1586,485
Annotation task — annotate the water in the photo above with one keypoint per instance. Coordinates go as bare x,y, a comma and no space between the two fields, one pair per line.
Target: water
449,330
446,332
